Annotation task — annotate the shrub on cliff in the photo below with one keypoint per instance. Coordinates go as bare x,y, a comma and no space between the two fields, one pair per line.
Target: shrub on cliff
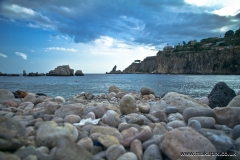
197,46
228,33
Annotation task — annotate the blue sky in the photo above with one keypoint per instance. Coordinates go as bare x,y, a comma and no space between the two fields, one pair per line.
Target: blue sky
95,35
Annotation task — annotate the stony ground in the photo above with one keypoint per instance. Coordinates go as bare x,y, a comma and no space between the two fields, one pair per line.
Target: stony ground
120,126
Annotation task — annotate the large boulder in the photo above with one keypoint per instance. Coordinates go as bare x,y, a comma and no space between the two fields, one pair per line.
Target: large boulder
68,150
63,70
146,91
50,107
152,152
235,102
107,131
111,118
49,133
228,116
12,134
206,122
79,73
127,104
197,112
115,151
64,110
236,132
5,95
107,140
220,95
136,148
185,139
20,94
144,135
143,107
29,98
114,89
128,155
219,139
180,101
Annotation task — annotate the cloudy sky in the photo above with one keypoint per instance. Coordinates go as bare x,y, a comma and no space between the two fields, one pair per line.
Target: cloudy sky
95,35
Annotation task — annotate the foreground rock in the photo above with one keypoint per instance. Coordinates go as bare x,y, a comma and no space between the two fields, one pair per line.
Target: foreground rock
49,132
221,95
12,134
114,89
146,91
198,112
179,101
185,139
228,116
69,150
5,95
235,102
127,104
64,70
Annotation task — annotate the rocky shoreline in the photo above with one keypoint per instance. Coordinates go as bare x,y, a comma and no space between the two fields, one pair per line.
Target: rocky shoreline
120,125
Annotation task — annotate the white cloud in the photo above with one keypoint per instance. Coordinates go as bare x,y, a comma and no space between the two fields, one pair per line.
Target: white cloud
3,55
65,37
21,10
228,10
219,7
109,42
17,12
33,25
23,55
61,49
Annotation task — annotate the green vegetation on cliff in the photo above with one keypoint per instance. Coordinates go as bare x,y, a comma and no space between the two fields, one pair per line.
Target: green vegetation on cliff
213,55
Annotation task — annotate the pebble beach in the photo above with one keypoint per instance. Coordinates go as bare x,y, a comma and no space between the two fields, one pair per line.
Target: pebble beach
120,125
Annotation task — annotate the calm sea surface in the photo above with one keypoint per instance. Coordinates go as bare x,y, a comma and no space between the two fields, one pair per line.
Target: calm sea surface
193,85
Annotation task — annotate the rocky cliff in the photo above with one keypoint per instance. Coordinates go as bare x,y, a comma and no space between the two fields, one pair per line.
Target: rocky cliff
148,65
64,70
225,61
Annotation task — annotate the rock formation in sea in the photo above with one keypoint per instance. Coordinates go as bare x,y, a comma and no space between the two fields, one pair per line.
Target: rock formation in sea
3,74
79,73
35,74
13,75
63,70
24,73
114,71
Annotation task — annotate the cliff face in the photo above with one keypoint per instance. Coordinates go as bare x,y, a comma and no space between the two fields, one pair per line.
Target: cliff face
201,62
148,65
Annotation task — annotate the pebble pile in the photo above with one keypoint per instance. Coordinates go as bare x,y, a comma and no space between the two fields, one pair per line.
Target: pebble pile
120,126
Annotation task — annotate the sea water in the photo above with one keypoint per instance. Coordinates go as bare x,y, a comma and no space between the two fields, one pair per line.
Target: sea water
195,86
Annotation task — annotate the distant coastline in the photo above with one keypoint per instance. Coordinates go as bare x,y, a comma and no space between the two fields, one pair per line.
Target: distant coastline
210,56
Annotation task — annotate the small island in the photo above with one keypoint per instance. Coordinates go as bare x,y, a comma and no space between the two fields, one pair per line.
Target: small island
114,71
